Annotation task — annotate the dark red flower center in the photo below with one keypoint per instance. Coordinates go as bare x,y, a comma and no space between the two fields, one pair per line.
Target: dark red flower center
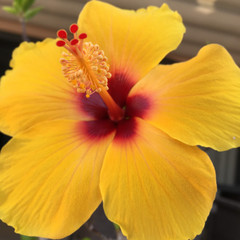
134,106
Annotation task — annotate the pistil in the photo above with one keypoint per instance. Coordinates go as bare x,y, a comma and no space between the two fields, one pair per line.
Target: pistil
85,67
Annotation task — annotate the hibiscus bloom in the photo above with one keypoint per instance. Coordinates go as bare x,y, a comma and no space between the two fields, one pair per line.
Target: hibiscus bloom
98,120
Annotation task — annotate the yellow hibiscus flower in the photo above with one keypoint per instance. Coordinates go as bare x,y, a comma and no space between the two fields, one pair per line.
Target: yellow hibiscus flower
104,122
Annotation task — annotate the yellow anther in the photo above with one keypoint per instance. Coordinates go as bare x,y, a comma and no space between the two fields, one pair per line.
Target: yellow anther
85,67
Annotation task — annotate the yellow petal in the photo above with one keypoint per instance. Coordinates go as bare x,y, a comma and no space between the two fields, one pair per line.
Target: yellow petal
134,41
196,102
155,187
49,180
35,90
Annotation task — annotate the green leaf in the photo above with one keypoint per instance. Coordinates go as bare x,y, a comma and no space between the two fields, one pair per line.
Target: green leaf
27,238
31,13
17,6
86,238
8,9
19,2
26,4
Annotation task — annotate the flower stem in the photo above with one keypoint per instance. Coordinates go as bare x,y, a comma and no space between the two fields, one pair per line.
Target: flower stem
24,31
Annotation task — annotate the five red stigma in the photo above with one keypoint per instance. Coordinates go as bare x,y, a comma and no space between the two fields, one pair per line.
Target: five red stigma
63,35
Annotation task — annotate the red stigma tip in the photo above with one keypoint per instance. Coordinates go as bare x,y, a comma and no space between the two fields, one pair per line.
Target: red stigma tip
74,42
82,36
60,43
73,28
62,34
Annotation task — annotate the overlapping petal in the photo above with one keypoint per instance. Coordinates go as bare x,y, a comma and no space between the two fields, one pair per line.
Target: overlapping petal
35,90
156,187
49,179
196,102
134,41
